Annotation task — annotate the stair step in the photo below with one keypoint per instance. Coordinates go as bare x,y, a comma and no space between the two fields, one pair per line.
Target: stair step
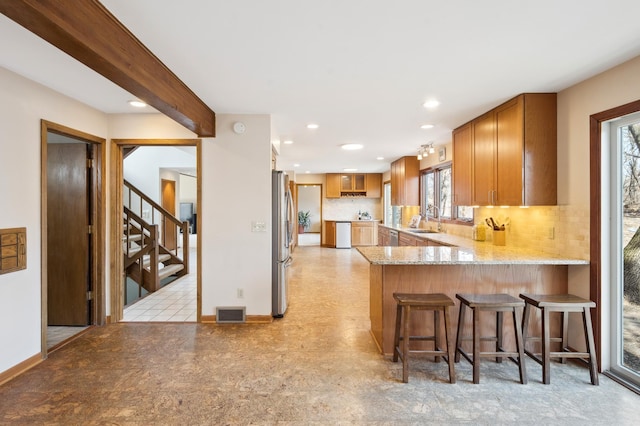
170,270
132,237
161,258
132,250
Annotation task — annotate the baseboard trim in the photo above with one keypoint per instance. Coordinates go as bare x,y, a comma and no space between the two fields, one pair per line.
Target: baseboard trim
250,319
20,368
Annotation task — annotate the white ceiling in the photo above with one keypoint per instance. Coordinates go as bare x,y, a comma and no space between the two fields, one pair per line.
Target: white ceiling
361,69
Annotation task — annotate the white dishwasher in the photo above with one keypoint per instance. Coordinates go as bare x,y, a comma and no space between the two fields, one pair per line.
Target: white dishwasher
343,234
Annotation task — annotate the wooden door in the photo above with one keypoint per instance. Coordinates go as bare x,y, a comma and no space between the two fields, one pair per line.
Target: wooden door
68,239
169,229
484,136
509,153
462,159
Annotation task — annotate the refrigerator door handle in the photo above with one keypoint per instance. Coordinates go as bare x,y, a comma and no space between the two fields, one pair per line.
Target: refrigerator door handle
289,236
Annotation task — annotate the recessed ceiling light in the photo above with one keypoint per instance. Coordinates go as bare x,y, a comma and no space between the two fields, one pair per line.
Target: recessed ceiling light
351,146
288,142
307,171
379,158
431,103
312,126
137,104
424,126
350,170
296,165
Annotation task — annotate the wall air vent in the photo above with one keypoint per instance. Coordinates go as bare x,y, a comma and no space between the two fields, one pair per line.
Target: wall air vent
231,315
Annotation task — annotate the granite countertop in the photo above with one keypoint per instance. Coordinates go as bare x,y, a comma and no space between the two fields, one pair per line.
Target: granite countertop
460,251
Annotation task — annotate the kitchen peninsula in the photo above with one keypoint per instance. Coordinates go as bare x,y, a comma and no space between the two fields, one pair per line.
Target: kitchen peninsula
476,267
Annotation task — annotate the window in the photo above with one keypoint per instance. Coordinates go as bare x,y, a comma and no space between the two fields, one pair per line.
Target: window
388,211
436,196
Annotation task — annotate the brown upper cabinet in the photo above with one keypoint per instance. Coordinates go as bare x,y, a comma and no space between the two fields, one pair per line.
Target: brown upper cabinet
508,156
354,185
405,178
374,185
462,160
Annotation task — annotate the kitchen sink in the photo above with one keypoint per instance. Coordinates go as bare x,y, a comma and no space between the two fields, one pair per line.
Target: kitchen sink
422,231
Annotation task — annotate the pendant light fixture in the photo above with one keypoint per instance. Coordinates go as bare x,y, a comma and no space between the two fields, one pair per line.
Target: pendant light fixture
425,150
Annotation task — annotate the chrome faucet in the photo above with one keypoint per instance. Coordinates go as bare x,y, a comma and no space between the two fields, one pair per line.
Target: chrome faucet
435,210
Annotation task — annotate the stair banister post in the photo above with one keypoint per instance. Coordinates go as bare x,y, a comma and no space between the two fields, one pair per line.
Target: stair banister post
155,254
185,246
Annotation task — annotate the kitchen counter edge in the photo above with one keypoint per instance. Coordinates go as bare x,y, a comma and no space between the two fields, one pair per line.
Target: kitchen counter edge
460,251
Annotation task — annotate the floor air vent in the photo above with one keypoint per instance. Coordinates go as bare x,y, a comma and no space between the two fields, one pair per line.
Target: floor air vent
231,315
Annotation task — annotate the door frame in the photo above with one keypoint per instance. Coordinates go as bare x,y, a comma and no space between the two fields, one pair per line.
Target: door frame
595,226
297,201
98,307
116,285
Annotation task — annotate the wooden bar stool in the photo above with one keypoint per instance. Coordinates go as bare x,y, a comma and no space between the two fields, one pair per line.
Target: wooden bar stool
431,302
563,303
498,303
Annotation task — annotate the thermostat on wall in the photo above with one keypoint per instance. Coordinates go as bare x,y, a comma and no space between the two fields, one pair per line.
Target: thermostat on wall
239,127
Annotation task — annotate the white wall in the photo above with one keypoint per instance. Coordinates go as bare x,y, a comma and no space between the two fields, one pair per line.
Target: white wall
143,168
22,105
236,190
189,190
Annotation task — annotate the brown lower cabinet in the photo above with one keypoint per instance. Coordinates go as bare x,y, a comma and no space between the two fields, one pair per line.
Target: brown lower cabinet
329,233
405,239
364,233
383,236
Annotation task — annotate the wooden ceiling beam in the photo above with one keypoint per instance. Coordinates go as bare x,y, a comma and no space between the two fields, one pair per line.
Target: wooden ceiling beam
87,31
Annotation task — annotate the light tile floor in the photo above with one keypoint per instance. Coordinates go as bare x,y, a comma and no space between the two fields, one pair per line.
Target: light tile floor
309,239
175,302
58,334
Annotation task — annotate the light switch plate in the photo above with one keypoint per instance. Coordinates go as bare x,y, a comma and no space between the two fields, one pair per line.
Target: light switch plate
257,226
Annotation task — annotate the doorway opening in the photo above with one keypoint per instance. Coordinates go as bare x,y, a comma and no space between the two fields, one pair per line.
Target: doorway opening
309,206
148,201
72,233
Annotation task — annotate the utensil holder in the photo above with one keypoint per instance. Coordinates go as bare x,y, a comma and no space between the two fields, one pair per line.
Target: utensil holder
499,238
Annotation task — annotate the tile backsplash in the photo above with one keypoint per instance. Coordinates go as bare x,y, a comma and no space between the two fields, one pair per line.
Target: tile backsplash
347,208
560,230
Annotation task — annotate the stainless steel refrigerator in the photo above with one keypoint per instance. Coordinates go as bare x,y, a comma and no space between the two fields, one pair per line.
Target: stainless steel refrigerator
282,220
